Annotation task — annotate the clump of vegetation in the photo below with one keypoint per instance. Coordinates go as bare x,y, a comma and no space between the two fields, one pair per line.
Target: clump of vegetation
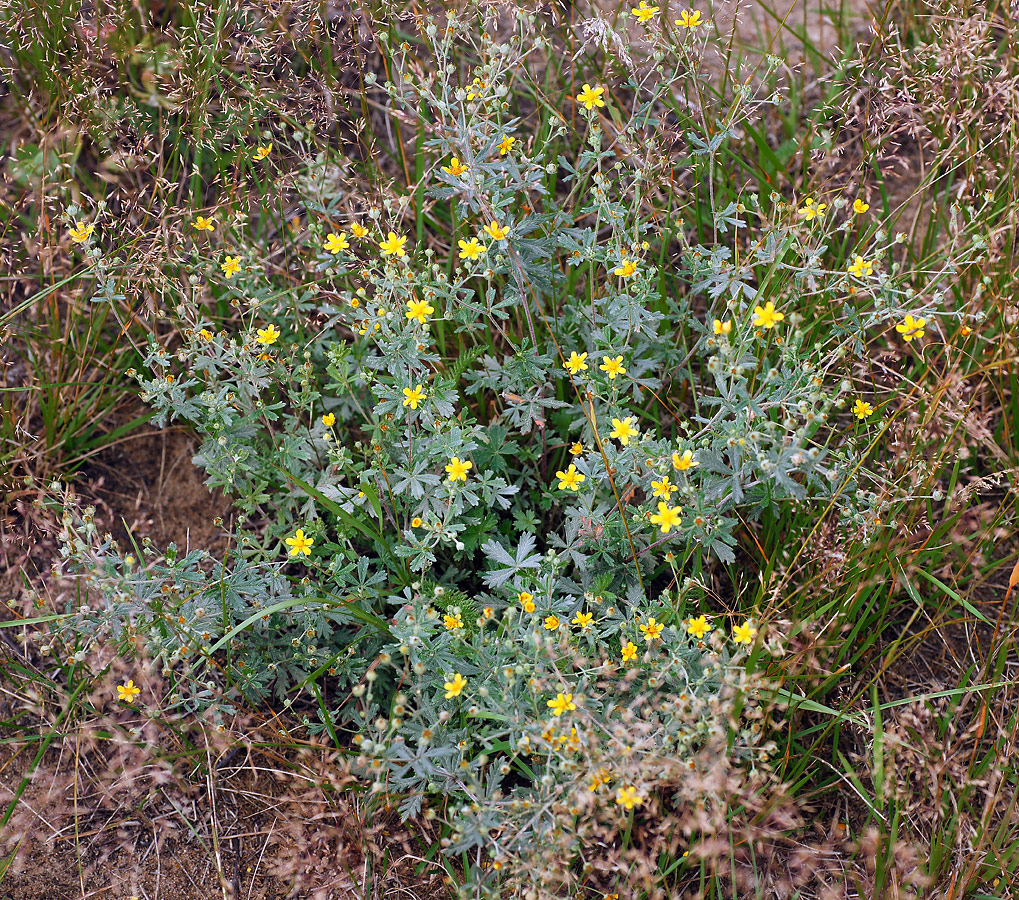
586,463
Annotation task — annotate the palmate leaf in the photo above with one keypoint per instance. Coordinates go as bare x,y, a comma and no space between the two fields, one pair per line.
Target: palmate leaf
509,565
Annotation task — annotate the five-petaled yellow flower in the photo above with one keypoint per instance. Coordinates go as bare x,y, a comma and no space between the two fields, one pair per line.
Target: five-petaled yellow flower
127,692
652,630
625,270
583,619
452,622
455,168
744,634
690,18
811,210
81,233
576,363
231,266
458,469
623,430
506,144
358,230
329,419
261,152
629,651
394,245
667,517
766,316
268,335
698,627
206,334
612,367
413,396
911,328
551,623
471,249
570,480
576,448
684,462
644,13
562,703
334,243
664,488
591,96
419,310
454,687
861,267
628,798
720,327
201,223
496,232
859,207
862,409
300,543
526,601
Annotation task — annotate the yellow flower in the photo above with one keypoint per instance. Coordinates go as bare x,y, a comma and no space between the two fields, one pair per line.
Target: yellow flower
570,480
562,703
412,397
394,245
419,310
506,144
82,233
496,232
602,776
231,266
334,243
591,97
268,335
454,687
127,692
628,798
698,627
329,419
911,328
455,168
526,601
576,448
629,651
623,430
810,210
206,334
203,224
644,13
488,612
626,269
668,517
261,152
471,249
299,543
458,470
766,317
583,619
861,267
416,522
576,363
453,622
612,367
720,327
689,19
664,488
744,634
551,623
684,462
862,409
859,207
653,629
358,230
